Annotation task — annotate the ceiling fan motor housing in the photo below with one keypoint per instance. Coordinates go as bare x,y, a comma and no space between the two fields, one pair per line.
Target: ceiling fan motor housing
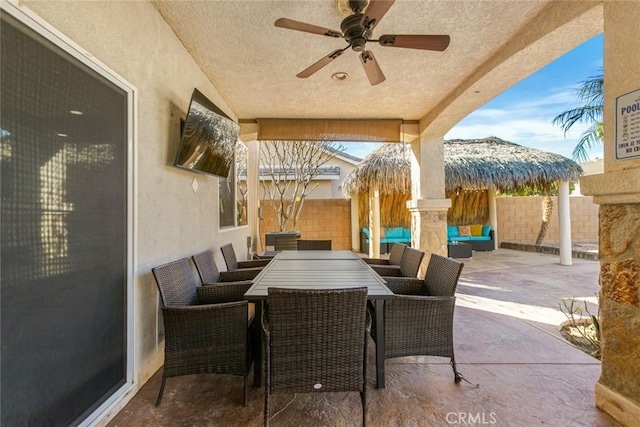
354,32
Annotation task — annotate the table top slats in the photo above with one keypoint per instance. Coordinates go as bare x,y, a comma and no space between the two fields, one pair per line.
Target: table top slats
318,270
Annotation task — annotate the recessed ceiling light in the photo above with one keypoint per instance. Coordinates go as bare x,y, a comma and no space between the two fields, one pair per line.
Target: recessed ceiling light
76,112
62,135
340,76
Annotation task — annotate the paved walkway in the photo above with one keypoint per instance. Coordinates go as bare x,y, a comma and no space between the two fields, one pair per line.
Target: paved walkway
507,344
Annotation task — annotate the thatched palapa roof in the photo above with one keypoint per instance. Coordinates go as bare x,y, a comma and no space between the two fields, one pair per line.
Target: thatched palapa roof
388,168
480,163
468,164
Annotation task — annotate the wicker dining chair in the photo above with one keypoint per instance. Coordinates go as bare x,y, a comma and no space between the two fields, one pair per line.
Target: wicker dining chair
209,273
409,265
253,266
418,320
314,245
285,242
316,342
394,260
206,327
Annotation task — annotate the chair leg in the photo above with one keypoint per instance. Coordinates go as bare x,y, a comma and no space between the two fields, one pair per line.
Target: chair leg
456,374
363,397
161,392
246,388
266,406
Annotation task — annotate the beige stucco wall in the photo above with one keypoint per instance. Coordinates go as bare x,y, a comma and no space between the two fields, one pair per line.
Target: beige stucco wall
132,39
519,219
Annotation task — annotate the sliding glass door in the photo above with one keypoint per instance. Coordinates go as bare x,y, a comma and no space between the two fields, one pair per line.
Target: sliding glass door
64,219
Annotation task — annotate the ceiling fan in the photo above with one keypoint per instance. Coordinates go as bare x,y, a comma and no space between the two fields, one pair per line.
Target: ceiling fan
357,30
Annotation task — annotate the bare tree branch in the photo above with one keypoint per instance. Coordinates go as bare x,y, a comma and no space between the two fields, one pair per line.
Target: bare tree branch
291,166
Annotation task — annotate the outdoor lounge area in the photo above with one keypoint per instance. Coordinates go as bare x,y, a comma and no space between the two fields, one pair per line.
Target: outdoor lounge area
522,372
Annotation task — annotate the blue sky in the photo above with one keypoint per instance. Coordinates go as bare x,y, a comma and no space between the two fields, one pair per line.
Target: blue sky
523,113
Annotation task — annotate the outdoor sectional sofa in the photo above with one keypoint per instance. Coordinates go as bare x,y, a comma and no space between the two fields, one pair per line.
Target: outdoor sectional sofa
388,237
481,239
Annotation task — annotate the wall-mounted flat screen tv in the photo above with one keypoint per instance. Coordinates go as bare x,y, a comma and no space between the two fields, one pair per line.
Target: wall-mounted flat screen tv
208,138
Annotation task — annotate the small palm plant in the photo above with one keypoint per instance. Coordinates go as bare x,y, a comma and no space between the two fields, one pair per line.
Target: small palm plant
591,92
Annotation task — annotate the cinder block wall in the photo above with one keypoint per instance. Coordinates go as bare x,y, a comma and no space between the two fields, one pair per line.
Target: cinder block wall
320,219
519,219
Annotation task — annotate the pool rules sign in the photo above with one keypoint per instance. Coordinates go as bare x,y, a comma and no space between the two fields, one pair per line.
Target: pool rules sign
628,126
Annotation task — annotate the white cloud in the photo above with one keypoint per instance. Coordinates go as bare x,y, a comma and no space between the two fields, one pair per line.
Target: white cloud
527,122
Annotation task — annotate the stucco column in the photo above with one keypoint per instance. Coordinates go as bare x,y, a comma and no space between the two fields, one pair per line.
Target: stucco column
355,222
374,223
617,191
564,223
493,214
248,134
428,205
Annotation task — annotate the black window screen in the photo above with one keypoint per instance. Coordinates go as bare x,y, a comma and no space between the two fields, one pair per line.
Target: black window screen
63,254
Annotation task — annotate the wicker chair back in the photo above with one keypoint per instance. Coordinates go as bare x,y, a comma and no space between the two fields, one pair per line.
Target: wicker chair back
314,245
229,256
442,276
176,283
410,264
395,256
286,242
206,267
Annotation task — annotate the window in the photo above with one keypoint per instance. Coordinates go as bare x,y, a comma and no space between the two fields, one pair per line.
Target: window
233,191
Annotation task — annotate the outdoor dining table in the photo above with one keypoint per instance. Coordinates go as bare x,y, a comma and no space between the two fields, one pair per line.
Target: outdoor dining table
320,270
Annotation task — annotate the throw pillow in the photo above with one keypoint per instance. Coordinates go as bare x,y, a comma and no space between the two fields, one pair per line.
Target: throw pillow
486,229
382,236
464,230
476,230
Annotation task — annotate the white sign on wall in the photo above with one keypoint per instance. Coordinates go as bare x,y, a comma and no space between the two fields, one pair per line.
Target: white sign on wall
628,125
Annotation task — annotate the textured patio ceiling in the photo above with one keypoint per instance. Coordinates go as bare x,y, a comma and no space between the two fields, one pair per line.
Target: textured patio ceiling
494,44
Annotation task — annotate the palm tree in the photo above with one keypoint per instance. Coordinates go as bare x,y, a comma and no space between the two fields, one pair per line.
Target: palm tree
591,92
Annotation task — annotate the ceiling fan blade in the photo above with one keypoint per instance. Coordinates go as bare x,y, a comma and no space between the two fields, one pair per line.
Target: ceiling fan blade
318,65
374,12
417,41
371,67
290,24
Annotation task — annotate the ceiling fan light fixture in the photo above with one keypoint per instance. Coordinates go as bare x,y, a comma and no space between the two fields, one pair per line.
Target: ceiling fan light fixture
340,76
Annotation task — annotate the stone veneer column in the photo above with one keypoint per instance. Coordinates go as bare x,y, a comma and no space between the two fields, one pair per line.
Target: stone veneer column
429,205
620,312
429,225
617,191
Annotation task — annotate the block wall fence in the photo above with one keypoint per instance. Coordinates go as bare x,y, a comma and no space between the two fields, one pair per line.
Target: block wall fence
519,220
319,219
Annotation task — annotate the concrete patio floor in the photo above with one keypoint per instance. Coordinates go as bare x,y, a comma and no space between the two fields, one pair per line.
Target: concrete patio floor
507,344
